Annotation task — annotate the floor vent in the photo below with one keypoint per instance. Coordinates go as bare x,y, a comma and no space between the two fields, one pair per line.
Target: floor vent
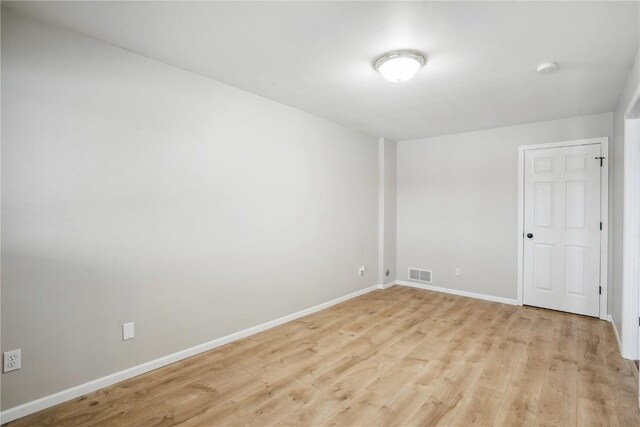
420,275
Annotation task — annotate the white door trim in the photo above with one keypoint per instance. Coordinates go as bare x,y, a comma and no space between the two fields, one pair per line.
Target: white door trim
629,331
604,213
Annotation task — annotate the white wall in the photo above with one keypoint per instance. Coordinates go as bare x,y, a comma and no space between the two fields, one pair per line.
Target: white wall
387,210
628,329
135,191
457,202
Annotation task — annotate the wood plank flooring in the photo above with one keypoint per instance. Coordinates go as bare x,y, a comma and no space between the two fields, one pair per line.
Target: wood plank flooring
399,356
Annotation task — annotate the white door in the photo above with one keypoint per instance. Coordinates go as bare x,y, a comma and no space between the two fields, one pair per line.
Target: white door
562,228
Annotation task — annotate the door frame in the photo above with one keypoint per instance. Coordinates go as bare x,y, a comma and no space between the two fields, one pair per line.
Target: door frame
629,327
604,213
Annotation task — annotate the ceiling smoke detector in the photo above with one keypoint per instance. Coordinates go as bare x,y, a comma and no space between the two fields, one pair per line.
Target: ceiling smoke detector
547,67
399,65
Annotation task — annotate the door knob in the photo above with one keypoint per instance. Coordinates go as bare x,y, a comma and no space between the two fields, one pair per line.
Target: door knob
529,235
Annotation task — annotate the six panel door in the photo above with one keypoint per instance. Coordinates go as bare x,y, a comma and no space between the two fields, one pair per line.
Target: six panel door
562,229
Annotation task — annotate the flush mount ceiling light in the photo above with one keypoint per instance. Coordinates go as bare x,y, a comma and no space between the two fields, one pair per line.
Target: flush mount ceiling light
399,65
547,67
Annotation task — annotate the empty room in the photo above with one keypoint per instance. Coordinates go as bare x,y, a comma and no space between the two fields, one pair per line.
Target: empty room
308,213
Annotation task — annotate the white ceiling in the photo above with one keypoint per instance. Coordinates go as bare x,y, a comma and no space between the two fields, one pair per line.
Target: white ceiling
317,56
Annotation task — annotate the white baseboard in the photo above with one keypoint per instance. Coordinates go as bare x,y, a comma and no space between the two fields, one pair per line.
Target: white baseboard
386,285
82,389
457,292
615,332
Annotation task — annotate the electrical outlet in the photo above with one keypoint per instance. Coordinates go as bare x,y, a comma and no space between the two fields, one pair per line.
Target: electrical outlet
361,271
458,271
127,331
12,360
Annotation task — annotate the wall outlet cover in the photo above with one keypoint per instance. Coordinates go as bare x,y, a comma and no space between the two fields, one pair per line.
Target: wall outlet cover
12,360
127,331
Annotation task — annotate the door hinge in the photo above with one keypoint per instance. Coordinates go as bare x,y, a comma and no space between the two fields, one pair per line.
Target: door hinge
599,290
601,159
600,225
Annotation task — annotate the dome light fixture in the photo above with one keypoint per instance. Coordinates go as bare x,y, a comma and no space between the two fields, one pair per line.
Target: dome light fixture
547,67
399,65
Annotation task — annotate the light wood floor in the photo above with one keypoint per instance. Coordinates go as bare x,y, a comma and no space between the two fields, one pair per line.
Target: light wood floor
400,356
